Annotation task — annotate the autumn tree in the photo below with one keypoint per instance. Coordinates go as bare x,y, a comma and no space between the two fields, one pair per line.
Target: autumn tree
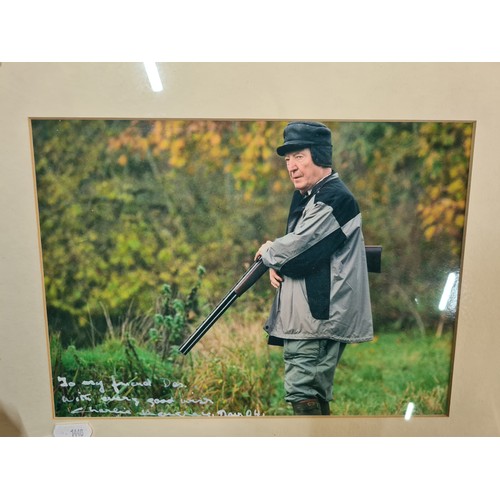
127,206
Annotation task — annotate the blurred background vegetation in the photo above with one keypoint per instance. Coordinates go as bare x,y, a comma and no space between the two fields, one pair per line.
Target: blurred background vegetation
129,207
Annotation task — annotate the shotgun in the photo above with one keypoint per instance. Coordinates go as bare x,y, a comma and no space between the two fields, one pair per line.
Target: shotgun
251,276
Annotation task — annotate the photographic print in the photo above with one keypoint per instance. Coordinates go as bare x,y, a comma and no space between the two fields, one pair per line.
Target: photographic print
146,225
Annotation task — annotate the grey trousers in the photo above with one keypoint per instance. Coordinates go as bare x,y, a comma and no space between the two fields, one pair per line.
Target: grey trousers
310,368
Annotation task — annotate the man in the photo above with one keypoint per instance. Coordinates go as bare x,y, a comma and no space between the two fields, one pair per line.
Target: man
319,270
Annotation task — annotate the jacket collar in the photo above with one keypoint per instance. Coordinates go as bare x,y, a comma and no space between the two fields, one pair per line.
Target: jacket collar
300,201
321,183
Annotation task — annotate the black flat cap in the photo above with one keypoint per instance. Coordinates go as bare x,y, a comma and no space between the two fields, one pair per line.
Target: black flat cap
299,135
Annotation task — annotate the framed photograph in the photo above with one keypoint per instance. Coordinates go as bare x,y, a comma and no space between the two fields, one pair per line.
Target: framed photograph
128,215
146,224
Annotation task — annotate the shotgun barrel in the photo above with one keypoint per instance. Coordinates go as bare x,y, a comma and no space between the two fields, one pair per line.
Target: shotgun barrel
252,275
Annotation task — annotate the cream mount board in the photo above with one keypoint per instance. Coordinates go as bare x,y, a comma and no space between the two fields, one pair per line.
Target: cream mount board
343,91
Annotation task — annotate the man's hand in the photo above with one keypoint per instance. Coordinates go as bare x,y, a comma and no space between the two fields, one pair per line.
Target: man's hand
262,249
274,277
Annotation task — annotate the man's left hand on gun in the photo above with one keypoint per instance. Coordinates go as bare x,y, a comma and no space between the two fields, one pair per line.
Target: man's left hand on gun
274,277
262,249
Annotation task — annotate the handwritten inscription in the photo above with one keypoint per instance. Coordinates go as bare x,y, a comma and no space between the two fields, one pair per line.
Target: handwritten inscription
138,398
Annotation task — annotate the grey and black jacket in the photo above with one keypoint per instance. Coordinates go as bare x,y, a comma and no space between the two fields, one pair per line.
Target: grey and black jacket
325,291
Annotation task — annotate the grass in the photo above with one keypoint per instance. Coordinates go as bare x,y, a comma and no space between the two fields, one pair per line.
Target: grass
382,377
232,370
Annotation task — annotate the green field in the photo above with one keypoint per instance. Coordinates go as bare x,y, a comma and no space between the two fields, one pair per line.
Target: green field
232,371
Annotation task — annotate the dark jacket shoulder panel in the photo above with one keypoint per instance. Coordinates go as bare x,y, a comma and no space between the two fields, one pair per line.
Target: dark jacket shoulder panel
336,195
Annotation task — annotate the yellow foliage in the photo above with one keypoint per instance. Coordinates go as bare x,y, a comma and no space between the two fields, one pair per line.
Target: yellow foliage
267,153
429,232
430,159
429,219
277,187
143,144
122,160
361,184
468,146
457,186
448,216
423,146
215,139
246,174
456,171
435,192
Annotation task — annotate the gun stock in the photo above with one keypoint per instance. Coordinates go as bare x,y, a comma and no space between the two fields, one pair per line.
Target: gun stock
374,258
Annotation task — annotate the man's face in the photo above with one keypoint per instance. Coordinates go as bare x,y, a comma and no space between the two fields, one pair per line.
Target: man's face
303,172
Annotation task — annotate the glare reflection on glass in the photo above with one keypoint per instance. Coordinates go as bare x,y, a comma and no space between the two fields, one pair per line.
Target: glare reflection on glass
154,76
450,282
409,411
